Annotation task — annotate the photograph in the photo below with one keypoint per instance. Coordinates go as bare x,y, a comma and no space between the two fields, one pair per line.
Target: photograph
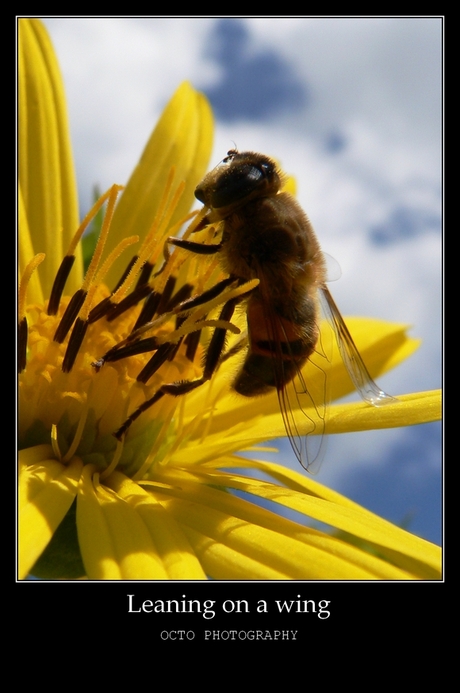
230,307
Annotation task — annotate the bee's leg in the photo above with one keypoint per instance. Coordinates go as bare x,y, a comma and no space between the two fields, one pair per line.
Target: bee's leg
193,247
236,349
212,359
135,415
134,345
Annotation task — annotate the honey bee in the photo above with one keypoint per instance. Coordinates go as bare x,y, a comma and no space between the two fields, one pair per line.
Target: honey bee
267,236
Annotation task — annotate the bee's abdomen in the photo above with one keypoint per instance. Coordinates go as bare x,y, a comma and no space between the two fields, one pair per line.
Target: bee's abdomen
260,374
278,348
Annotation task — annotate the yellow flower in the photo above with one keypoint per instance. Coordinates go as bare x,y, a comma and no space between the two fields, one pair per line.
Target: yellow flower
154,502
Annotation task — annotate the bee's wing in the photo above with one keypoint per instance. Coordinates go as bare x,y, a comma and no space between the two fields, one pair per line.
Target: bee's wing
367,388
305,431
303,411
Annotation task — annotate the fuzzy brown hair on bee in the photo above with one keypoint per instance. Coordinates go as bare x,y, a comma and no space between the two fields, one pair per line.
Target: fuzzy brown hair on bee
267,235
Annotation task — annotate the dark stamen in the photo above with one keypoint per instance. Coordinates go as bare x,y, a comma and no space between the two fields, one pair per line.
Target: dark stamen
149,309
192,340
166,295
100,310
129,301
59,284
75,341
184,292
117,353
126,272
69,316
23,331
144,276
156,361
207,295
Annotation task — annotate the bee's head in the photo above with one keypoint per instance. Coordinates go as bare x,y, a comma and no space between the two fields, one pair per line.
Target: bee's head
240,177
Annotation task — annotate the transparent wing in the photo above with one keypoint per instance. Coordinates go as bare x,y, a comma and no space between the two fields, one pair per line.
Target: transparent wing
304,418
367,388
302,406
333,269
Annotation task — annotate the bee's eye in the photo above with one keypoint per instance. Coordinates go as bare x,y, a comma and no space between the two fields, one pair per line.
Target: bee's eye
236,185
238,177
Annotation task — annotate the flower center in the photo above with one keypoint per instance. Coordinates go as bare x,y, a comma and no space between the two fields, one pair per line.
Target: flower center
102,367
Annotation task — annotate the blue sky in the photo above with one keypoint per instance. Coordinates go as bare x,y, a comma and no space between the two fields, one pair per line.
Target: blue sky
353,108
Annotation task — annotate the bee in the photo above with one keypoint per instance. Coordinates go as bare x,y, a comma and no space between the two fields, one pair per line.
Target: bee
267,236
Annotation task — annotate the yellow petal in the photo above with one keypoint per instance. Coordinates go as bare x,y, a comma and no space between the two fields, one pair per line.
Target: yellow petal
407,410
175,552
382,346
234,538
181,139
47,489
117,541
46,172
421,559
97,550
26,252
